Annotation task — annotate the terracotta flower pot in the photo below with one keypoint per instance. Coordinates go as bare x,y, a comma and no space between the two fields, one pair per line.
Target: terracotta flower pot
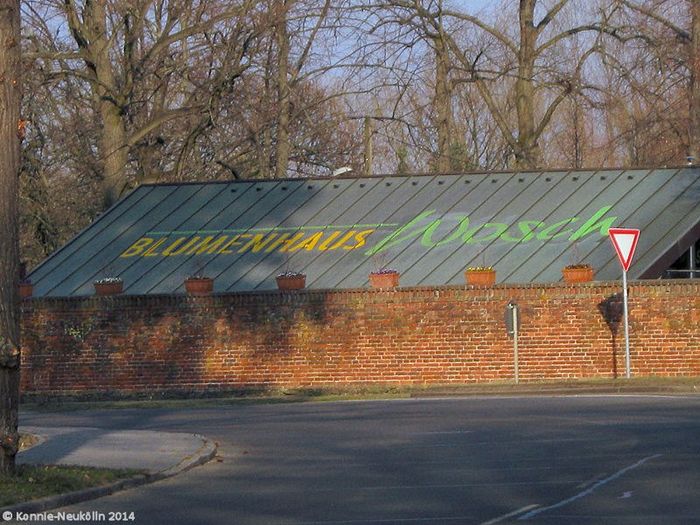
384,279
199,285
291,282
109,288
578,274
25,290
480,276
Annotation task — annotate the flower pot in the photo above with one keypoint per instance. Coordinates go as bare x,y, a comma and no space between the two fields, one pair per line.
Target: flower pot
199,285
25,290
384,279
578,274
109,288
291,282
480,277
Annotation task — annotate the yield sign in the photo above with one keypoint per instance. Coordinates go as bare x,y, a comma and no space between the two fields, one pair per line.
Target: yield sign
625,241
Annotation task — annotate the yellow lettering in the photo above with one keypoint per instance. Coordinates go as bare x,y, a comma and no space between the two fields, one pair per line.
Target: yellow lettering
309,243
207,245
277,242
186,247
343,239
258,242
361,238
288,244
137,247
324,245
151,252
174,245
232,242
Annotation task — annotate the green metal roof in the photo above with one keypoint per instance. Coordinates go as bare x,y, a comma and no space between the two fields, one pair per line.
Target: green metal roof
243,233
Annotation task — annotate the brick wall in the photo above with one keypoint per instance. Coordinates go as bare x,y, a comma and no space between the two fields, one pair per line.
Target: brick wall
455,334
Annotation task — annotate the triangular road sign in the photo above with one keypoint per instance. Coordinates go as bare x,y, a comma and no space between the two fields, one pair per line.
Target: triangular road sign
625,241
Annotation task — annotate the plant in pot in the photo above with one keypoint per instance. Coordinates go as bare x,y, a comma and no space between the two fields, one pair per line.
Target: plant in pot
383,276
109,286
480,275
578,271
198,283
291,280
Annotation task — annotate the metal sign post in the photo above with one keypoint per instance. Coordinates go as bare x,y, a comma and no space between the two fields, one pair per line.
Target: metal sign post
515,341
625,242
627,329
512,326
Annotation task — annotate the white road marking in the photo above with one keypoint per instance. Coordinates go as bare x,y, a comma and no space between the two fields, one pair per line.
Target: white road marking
439,486
626,495
459,519
438,432
589,490
591,481
494,442
509,515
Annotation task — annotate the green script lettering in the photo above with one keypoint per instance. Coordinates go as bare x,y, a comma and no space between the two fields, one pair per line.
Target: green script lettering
401,234
548,232
427,239
529,230
592,224
499,229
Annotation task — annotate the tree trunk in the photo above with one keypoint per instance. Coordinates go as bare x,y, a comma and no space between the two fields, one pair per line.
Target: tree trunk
113,139
527,153
10,97
90,33
694,128
114,152
283,92
443,106
263,133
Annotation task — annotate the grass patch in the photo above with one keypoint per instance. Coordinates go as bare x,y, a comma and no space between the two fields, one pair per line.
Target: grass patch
681,385
300,395
37,481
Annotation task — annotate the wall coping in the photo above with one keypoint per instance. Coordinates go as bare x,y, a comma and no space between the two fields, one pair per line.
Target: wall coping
678,286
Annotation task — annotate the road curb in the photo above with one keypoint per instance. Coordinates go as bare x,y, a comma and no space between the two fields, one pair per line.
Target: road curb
203,455
555,390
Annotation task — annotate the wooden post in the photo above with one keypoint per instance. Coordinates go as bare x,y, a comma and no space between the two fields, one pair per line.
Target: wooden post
368,132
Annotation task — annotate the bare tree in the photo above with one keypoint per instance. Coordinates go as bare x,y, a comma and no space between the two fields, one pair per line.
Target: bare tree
307,20
412,80
10,129
148,63
538,88
672,33
443,98
694,129
60,159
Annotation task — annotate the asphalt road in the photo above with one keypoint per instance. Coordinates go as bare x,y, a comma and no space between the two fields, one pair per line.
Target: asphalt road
599,459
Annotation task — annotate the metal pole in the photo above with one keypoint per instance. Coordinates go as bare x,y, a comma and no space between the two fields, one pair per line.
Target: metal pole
627,332
515,341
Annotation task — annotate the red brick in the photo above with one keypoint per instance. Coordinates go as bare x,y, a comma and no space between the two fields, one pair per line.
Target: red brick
409,336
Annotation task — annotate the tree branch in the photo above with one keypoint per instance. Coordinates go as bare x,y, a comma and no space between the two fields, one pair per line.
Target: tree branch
551,14
680,33
160,119
501,37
